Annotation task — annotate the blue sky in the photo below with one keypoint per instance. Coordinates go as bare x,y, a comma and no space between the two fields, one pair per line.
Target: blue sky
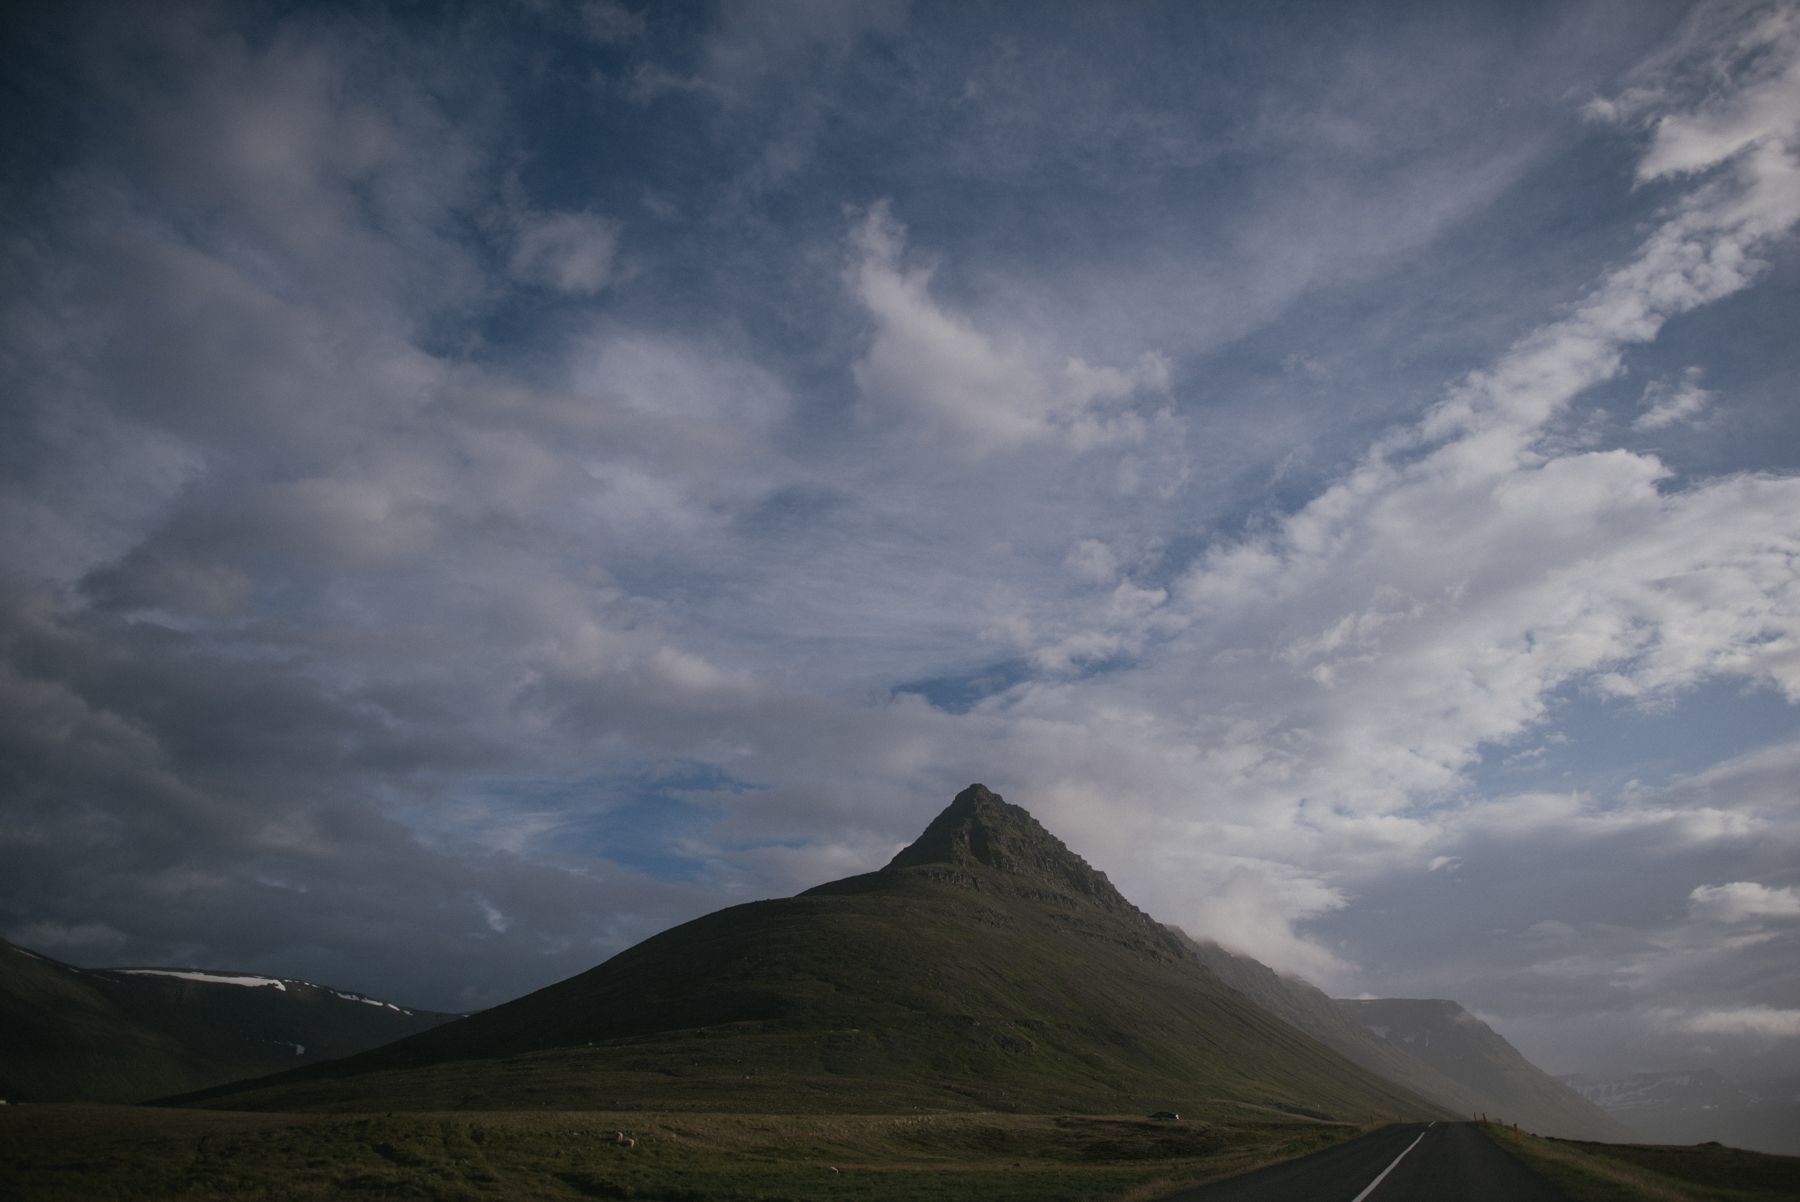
482,484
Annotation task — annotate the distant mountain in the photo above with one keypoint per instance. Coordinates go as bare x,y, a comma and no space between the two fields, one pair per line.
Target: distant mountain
1457,1045
1342,1030
1701,1106
986,967
72,1034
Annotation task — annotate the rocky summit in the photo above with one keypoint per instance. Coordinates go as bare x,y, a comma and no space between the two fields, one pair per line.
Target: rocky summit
987,967
980,830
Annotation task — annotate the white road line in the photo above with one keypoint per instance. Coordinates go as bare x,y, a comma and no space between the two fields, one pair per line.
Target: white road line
1371,1186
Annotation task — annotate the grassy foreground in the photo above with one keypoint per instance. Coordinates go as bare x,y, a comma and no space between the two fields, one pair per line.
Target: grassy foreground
84,1152
1591,1172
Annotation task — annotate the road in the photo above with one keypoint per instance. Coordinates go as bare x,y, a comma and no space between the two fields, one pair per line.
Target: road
1436,1162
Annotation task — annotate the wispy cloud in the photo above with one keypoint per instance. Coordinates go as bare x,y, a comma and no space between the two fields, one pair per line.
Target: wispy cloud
972,397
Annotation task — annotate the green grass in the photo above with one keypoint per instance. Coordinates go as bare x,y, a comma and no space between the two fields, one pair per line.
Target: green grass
907,992
1595,1172
88,1153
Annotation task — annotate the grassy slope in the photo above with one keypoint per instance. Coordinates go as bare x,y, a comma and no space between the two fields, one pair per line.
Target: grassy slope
1600,1172
920,993
986,968
89,1153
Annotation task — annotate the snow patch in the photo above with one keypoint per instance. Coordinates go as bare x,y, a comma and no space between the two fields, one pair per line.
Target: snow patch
367,1001
212,978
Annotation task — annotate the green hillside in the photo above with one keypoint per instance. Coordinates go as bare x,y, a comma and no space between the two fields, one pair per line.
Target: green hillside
987,967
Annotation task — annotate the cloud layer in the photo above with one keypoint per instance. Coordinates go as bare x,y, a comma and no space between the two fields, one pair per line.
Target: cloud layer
482,493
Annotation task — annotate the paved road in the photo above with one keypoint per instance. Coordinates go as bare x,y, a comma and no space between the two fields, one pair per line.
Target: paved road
1437,1162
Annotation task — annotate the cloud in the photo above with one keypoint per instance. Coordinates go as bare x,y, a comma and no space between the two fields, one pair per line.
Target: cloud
568,252
371,618
1740,900
1764,1022
766,38
609,21
1669,405
1756,116
1438,598
54,936
972,397
1093,560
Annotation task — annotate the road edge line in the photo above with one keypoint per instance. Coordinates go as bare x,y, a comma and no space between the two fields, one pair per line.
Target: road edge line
1370,1188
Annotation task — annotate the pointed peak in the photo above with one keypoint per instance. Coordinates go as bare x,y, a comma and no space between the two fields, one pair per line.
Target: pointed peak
978,825
980,828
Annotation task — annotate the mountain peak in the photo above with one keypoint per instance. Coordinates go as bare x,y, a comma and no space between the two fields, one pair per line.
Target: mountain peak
980,828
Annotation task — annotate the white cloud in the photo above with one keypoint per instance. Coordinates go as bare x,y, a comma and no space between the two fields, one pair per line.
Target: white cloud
1092,560
1765,1022
1757,114
1739,900
495,920
1671,404
569,252
1253,906
935,369
1434,601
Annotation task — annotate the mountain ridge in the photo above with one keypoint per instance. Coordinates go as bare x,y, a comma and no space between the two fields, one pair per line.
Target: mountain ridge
136,1033
1444,1035
986,966
1526,1094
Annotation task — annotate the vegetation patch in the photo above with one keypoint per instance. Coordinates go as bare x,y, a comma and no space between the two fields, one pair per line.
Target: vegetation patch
80,1153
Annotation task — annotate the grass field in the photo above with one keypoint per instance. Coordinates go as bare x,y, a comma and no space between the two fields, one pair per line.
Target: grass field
1592,1172
77,1153
82,1153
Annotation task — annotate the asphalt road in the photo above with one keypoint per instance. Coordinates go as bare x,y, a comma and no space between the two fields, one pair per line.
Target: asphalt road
1437,1162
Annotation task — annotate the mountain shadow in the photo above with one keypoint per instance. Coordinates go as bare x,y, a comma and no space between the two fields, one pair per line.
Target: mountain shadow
986,967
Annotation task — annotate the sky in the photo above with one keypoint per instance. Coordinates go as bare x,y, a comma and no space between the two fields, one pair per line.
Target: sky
482,484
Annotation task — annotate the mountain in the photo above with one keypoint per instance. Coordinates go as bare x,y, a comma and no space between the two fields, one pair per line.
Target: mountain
986,967
1450,1040
1310,1009
1700,1106
72,1034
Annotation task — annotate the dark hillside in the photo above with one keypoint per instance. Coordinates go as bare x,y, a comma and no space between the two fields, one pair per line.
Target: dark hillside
72,1034
986,967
